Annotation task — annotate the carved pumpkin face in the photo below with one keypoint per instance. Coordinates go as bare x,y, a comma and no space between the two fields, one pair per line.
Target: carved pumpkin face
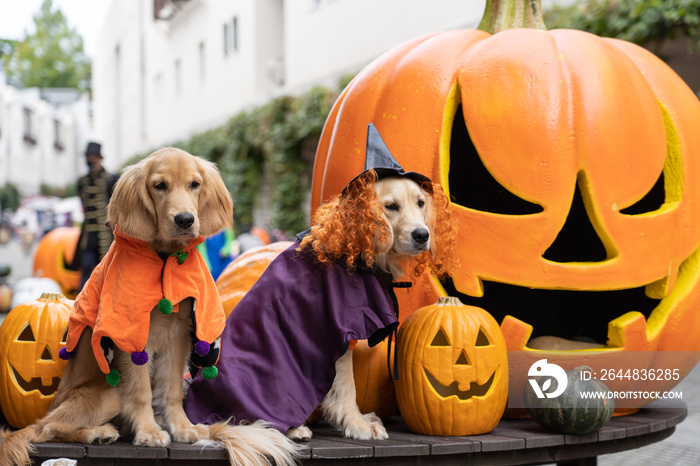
453,370
573,165
30,337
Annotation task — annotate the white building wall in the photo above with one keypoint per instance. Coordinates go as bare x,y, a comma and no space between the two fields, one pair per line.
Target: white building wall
28,164
172,78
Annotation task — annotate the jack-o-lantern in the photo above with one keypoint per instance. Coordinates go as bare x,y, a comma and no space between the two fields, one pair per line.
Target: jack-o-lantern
30,337
573,166
53,257
453,370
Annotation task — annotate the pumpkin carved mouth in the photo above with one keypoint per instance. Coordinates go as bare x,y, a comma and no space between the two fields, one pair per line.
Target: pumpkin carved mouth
570,314
446,391
35,383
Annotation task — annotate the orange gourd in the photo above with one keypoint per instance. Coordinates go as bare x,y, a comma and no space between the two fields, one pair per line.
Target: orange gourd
30,337
242,273
573,165
453,370
53,255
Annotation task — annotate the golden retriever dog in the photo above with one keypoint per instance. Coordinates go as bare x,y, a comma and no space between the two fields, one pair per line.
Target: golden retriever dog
328,285
164,202
404,228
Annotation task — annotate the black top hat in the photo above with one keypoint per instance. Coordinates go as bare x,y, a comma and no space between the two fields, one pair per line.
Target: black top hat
93,148
379,159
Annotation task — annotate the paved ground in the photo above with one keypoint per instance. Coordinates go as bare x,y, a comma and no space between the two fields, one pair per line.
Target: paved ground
681,449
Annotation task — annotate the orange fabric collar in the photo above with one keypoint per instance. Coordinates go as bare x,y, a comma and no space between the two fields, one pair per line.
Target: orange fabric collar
129,282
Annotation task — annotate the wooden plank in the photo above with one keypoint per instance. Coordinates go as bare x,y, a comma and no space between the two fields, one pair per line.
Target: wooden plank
187,451
59,450
493,442
328,448
534,435
125,450
382,448
611,432
440,445
574,439
633,429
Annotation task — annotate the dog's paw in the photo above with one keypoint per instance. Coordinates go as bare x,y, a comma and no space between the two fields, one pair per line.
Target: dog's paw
104,434
369,427
152,438
191,434
299,433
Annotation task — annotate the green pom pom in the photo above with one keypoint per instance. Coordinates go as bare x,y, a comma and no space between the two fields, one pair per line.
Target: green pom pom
210,372
113,378
165,306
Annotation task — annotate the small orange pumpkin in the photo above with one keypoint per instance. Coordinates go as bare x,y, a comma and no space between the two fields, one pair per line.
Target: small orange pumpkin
375,393
30,337
453,370
54,253
242,273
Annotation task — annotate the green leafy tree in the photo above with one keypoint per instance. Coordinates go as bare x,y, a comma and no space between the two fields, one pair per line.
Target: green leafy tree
645,22
52,56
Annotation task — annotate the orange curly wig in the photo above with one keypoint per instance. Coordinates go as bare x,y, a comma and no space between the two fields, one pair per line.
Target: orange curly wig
350,226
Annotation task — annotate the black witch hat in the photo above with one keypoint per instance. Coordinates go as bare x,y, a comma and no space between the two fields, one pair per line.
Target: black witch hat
379,159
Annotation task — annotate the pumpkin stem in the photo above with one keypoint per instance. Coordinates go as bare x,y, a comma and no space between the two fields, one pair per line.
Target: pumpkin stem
510,14
51,297
448,301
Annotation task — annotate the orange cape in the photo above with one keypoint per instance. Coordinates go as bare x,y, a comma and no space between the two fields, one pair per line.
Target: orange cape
117,300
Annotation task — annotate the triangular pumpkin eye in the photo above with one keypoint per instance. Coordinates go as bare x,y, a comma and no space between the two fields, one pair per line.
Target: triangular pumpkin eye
462,360
440,339
26,334
46,355
471,185
482,339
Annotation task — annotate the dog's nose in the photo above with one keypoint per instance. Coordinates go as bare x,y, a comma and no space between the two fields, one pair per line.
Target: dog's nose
184,220
420,235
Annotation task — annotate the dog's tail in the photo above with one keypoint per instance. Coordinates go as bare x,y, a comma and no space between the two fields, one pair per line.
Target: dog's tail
17,446
255,444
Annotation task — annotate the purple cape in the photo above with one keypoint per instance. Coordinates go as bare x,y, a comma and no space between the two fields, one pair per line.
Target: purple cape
281,342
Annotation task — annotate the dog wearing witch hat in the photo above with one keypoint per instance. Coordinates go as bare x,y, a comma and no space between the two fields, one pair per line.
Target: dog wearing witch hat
287,344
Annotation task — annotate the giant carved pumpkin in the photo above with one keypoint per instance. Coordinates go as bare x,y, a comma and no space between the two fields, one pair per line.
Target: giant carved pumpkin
53,257
30,337
453,370
573,166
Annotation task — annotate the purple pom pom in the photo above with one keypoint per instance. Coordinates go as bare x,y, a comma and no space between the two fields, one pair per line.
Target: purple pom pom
65,354
201,348
139,358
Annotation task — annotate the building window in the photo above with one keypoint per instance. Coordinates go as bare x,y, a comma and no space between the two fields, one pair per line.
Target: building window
57,135
225,39
234,33
29,135
202,64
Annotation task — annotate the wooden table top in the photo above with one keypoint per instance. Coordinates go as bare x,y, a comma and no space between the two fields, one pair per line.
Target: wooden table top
513,441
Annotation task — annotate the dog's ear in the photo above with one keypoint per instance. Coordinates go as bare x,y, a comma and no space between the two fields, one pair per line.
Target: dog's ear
131,207
215,204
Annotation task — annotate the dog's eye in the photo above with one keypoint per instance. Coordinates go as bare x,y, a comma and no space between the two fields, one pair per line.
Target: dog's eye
421,203
161,186
393,206
194,185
